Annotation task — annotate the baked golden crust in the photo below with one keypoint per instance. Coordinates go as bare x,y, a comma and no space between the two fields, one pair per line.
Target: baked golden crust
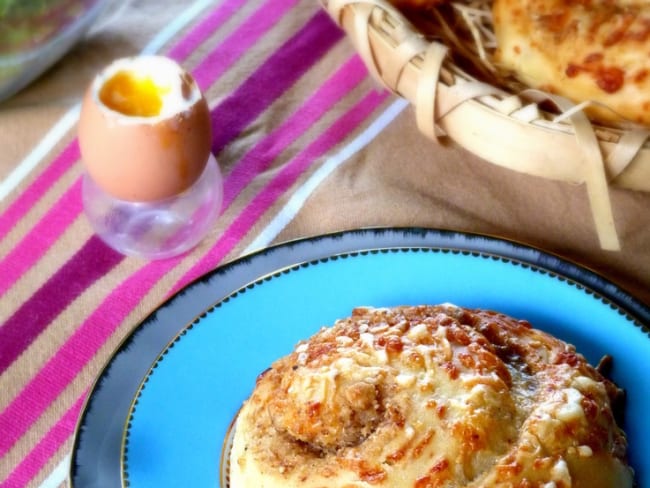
430,396
584,50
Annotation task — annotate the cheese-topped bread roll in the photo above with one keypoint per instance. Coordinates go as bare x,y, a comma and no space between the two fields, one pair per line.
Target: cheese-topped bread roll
581,49
430,396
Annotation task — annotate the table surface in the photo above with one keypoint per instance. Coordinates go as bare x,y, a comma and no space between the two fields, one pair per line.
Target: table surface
308,142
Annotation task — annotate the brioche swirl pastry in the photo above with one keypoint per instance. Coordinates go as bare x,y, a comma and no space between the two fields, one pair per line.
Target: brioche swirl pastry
430,396
584,50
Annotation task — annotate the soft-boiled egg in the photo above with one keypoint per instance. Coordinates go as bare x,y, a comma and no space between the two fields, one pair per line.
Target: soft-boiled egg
144,129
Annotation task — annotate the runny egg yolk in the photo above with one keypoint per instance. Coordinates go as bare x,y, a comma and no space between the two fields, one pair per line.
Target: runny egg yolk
137,96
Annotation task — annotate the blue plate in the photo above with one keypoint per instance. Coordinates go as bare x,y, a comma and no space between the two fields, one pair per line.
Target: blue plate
178,416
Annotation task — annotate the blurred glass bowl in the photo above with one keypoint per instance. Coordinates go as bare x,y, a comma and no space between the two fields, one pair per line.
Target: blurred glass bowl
34,34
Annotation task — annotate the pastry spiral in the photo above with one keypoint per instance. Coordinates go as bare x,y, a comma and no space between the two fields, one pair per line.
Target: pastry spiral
584,50
430,396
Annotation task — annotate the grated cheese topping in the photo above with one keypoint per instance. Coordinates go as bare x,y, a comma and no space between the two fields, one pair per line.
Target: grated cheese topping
429,396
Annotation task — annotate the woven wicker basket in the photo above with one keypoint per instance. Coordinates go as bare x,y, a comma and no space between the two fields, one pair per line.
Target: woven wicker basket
448,101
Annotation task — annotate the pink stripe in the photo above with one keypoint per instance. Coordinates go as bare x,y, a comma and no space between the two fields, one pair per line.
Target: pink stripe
41,237
241,40
262,155
204,29
278,74
38,188
82,346
46,447
79,349
281,183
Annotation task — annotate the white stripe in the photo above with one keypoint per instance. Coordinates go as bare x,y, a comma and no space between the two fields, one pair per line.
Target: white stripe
176,25
59,475
295,203
67,121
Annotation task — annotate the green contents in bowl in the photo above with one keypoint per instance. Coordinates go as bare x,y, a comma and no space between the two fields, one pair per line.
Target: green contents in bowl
27,24
36,33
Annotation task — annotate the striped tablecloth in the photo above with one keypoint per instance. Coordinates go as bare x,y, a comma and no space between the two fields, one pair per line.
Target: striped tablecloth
308,143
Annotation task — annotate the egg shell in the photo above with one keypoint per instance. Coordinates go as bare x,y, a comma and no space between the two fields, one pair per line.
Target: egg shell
145,160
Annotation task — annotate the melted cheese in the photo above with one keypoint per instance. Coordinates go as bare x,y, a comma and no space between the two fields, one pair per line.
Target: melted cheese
587,50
